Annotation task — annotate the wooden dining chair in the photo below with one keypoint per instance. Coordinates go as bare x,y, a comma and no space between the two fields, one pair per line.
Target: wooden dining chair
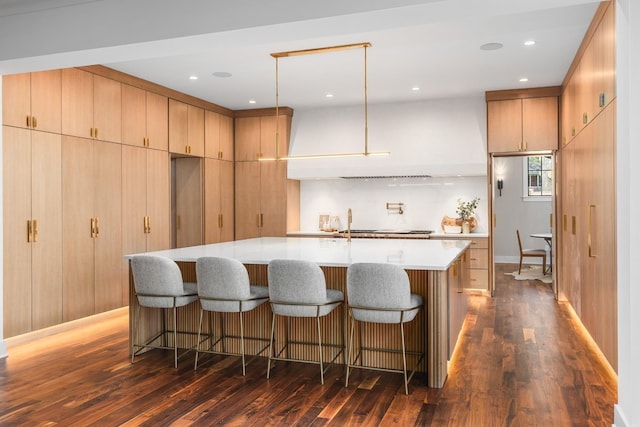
533,253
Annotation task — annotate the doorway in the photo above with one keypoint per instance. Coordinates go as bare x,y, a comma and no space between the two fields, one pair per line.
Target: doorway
523,197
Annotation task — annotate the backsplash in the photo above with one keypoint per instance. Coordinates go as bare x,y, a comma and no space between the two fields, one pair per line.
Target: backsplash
425,201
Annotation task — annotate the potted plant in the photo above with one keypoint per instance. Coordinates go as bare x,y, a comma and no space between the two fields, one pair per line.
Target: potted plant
465,212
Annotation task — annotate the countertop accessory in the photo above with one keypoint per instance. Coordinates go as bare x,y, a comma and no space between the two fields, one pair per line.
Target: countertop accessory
396,207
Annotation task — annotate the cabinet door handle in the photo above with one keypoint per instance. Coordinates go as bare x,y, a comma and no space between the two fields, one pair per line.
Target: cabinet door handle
258,220
28,121
95,133
590,219
148,224
524,146
219,220
93,228
34,122
220,154
35,230
29,231
97,224
178,222
261,220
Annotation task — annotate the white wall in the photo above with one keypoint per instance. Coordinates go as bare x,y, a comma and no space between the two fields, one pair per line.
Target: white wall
426,201
513,212
627,411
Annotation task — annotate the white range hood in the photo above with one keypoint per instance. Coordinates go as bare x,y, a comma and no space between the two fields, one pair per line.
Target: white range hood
445,137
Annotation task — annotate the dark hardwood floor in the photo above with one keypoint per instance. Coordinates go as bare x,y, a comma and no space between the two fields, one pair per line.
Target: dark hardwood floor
521,362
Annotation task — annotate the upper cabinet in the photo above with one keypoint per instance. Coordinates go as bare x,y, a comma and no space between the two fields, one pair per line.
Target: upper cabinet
218,136
186,129
257,136
523,124
594,73
32,100
145,120
91,106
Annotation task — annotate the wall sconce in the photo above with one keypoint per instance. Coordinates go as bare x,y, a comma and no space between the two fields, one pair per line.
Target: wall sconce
500,185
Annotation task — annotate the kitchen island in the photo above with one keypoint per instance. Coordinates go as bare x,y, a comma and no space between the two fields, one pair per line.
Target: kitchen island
435,269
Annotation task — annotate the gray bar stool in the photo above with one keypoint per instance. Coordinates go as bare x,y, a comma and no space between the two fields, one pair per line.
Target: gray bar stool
381,293
223,287
298,289
158,284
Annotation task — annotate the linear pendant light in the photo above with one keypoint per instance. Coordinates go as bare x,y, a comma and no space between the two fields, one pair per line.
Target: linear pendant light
366,151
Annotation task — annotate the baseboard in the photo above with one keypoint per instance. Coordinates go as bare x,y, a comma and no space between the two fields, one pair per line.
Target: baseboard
62,327
619,420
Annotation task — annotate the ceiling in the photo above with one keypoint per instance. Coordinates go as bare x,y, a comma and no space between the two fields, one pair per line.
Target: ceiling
430,44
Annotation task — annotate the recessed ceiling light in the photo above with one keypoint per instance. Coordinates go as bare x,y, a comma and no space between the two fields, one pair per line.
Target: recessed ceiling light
491,46
193,77
329,95
252,101
524,80
529,42
221,74
415,89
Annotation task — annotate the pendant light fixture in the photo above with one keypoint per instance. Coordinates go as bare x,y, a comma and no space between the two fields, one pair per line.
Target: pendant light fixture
366,151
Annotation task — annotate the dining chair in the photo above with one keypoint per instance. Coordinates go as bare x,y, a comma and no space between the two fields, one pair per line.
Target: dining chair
158,284
532,253
381,293
298,289
224,287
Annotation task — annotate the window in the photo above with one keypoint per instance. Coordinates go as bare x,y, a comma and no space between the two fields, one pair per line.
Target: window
538,176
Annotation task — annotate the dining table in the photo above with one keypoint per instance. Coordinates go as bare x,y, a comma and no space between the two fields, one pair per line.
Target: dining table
547,237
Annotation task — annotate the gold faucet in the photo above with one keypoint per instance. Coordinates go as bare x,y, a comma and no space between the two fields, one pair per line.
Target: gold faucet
349,220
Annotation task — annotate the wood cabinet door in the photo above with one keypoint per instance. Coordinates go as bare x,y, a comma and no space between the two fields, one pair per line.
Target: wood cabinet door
247,132
134,107
504,126
178,127
46,93
188,196
158,200
195,131
107,109
227,201
46,298
212,200
247,200
540,123
108,213
157,121
211,135
77,103
16,202
16,100
77,239
608,30
273,198
226,138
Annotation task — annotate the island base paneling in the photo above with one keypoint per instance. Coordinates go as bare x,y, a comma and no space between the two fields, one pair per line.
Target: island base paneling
432,285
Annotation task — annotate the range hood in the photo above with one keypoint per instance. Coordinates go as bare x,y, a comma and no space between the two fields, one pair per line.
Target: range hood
428,138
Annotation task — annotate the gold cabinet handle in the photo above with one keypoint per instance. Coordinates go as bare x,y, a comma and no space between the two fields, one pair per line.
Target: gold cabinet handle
93,228
148,224
35,230
220,155
219,220
178,222
28,121
29,231
574,225
261,220
34,122
97,225
145,221
592,209
95,133
258,220
524,146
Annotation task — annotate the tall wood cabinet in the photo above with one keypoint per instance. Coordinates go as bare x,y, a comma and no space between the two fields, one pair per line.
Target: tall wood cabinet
267,203
523,124
32,100
146,204
186,129
145,119
32,224
91,106
92,226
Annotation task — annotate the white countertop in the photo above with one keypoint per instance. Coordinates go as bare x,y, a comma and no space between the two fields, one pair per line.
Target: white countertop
479,235
411,254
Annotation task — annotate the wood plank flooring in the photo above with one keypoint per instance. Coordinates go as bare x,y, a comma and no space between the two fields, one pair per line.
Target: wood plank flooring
520,363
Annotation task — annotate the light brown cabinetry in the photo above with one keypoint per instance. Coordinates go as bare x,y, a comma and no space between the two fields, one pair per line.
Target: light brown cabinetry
92,226
145,120
218,136
32,224
477,261
267,203
592,84
146,207
32,100
527,124
91,106
219,224
186,129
